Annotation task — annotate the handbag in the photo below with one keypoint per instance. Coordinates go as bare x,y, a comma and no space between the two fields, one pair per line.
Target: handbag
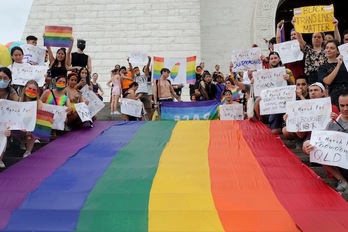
250,103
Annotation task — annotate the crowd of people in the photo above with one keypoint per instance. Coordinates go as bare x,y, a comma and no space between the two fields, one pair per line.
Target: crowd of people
321,73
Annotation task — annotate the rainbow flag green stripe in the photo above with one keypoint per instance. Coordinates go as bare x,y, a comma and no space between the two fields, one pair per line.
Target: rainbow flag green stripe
119,201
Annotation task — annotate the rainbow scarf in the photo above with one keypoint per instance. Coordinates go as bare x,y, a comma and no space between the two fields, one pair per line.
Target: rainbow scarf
43,125
57,36
168,176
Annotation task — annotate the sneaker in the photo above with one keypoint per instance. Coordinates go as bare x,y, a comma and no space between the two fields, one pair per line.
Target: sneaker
26,154
116,112
22,145
2,165
112,113
342,186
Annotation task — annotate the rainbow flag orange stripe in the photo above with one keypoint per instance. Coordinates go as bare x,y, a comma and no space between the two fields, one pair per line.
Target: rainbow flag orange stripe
170,176
57,36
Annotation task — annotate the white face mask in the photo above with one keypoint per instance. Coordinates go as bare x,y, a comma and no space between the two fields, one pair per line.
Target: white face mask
4,84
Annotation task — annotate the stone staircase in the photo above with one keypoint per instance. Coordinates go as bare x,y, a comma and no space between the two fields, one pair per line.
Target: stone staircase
14,154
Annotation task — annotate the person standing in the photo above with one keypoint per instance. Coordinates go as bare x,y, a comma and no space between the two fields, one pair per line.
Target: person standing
79,59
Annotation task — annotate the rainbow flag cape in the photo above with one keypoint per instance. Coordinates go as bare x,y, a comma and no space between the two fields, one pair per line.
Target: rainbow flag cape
43,127
200,110
183,70
57,36
168,176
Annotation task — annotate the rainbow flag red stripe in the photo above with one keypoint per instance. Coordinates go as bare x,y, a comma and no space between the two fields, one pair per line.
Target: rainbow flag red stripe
168,176
57,36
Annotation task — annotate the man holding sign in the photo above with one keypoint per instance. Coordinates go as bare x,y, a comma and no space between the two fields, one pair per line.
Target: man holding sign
341,124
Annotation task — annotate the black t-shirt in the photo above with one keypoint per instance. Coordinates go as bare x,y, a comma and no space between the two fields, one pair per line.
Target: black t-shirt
79,59
340,79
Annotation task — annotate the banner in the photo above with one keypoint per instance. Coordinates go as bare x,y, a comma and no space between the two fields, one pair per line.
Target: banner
330,148
33,54
247,59
57,36
182,70
43,125
273,100
59,117
17,115
22,73
138,57
83,112
344,52
289,51
268,78
308,115
95,104
200,110
231,112
131,107
313,19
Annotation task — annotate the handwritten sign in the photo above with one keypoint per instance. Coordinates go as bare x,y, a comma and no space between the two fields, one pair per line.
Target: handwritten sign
22,73
231,112
59,117
268,78
330,148
83,112
138,57
17,115
248,59
344,52
3,142
313,19
289,51
95,104
33,54
308,115
273,101
131,107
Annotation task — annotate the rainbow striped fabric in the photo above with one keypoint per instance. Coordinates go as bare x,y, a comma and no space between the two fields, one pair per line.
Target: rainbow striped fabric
43,127
168,176
57,36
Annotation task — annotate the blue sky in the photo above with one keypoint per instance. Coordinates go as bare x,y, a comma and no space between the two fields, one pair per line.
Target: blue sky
13,17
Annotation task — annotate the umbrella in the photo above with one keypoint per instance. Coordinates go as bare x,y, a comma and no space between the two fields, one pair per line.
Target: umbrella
5,57
10,45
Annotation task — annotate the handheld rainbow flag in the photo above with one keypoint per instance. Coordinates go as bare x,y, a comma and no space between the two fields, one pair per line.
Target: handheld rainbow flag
168,176
182,69
43,127
57,36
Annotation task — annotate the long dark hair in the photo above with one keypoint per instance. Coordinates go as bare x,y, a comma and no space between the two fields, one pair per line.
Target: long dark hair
15,49
8,73
88,78
56,61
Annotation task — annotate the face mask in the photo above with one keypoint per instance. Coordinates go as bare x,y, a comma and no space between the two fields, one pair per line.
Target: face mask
60,85
81,46
31,93
4,84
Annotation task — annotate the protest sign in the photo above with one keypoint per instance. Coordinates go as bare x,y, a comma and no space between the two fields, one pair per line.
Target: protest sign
59,117
268,78
289,51
330,148
131,107
57,36
231,112
247,59
33,54
22,73
273,100
138,57
308,115
344,52
94,103
3,142
313,19
83,112
17,115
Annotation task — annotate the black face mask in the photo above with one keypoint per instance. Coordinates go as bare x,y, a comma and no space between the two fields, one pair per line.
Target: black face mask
81,46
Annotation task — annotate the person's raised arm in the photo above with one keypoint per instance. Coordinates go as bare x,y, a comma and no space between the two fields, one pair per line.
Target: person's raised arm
131,68
298,35
147,67
337,34
280,25
68,54
89,64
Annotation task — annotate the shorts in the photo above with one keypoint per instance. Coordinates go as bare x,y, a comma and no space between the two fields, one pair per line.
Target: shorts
276,121
145,100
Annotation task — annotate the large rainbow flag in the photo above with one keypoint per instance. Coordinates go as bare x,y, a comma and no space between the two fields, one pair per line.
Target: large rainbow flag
168,176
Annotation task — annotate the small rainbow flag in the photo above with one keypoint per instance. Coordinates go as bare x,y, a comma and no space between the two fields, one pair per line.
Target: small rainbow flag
191,69
57,36
43,127
175,70
157,66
